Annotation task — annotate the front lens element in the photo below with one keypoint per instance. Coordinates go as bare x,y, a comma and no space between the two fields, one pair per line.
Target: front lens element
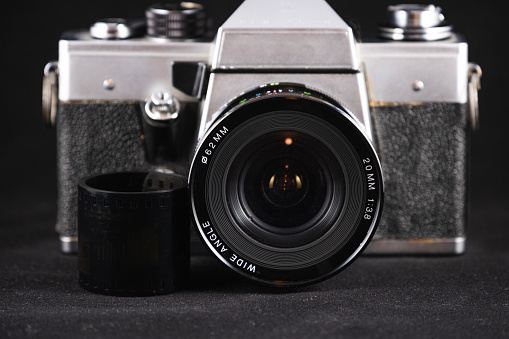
284,183
284,186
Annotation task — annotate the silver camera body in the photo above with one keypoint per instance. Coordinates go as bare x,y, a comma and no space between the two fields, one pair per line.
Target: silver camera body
411,91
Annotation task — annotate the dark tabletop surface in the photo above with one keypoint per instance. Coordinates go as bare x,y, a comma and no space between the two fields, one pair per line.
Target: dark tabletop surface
388,296
458,296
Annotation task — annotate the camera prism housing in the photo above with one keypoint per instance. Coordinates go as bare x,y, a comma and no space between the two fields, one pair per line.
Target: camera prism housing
284,123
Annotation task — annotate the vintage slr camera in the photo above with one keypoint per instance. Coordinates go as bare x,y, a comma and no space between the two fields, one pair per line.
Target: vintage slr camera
284,123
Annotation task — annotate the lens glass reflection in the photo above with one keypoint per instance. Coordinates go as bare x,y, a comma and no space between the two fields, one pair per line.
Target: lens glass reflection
285,183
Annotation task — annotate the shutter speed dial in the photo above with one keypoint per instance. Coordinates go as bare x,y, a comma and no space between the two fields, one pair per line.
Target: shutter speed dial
185,20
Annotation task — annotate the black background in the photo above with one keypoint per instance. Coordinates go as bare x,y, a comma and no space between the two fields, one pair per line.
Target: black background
376,296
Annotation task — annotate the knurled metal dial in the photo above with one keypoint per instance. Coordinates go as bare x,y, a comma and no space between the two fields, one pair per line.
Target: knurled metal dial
185,20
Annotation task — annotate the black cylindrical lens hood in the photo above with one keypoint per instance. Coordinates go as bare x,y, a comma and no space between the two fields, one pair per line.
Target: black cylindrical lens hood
133,233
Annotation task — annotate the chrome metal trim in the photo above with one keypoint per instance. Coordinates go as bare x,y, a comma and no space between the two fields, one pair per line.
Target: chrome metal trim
162,106
348,89
175,11
393,68
50,93
267,34
111,28
415,15
415,22
417,246
415,34
137,67
474,86
69,245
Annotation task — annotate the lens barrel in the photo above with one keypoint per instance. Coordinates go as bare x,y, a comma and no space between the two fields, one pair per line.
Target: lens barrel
285,187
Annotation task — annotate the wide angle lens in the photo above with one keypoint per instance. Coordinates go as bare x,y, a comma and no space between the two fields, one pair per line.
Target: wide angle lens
286,189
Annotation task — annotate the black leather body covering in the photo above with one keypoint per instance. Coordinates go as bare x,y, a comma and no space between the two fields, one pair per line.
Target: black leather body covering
423,150
94,138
